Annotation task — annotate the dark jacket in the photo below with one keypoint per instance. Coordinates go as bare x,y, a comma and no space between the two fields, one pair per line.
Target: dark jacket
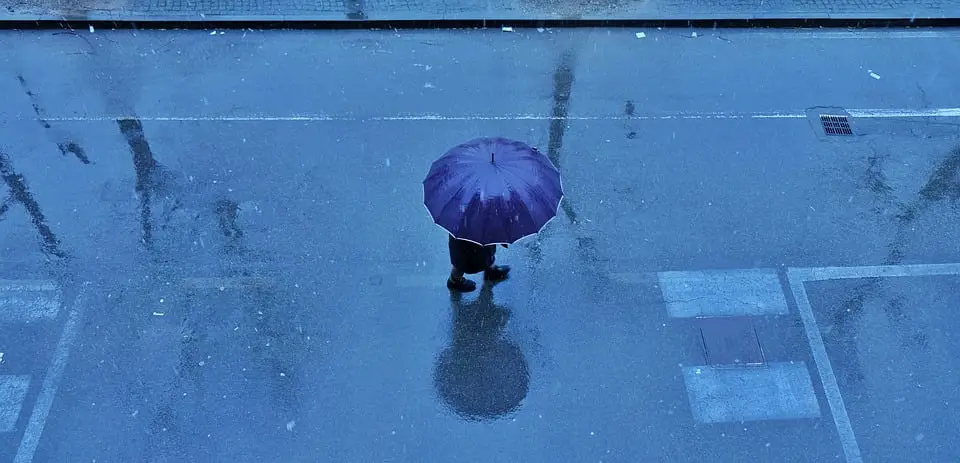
469,257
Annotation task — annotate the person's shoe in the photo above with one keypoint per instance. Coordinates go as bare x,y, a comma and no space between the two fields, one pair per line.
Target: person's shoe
463,285
497,273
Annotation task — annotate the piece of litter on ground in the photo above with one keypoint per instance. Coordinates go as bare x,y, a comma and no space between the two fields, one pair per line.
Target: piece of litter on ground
91,28
540,29
693,34
428,85
158,314
291,424
1,357
506,29
222,32
874,75
641,35
213,33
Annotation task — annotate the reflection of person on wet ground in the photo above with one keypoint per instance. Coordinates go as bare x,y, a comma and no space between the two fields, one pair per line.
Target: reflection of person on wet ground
470,258
482,374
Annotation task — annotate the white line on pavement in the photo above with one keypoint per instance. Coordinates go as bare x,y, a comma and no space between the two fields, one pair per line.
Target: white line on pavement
779,391
911,270
722,293
870,34
13,388
856,113
228,282
28,300
831,389
27,285
422,281
51,382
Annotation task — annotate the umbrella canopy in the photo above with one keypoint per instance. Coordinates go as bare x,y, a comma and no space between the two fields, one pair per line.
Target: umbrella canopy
492,191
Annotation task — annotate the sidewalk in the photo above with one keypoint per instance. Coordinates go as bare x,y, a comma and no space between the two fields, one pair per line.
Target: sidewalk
470,10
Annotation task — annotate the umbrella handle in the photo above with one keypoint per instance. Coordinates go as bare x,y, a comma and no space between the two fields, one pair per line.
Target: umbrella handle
491,157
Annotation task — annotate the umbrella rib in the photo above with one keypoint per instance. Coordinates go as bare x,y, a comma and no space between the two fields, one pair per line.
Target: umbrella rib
446,206
530,198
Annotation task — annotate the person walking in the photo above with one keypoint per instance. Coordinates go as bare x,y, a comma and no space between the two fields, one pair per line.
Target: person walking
489,192
469,258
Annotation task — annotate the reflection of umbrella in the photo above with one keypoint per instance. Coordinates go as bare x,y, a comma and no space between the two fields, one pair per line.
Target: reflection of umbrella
482,375
492,191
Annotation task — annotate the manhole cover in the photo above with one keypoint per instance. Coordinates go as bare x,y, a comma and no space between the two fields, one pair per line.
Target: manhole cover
730,341
835,125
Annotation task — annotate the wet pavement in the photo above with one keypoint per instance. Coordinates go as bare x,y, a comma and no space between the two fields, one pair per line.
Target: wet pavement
214,247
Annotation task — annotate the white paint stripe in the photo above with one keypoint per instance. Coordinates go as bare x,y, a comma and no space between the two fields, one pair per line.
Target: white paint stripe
820,34
857,113
28,285
722,293
224,283
831,389
51,383
13,389
423,281
20,304
837,273
826,273
777,391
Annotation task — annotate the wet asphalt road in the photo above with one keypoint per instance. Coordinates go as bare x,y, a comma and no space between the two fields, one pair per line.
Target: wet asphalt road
265,284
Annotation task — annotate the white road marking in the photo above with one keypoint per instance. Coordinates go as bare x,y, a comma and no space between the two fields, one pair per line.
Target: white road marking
424,281
777,391
28,300
878,113
13,388
722,293
848,440
28,285
796,278
51,382
227,283
869,34
911,270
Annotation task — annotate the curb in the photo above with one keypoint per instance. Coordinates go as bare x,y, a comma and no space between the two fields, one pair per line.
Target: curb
318,22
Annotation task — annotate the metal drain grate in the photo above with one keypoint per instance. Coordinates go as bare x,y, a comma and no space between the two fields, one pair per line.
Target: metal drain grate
835,125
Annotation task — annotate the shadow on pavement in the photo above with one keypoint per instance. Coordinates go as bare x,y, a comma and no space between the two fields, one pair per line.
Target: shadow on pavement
482,375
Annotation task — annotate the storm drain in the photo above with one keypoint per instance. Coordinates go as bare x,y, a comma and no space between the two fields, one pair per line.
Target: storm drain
835,125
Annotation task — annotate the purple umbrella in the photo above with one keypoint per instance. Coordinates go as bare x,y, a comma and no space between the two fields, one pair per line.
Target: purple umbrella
492,191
